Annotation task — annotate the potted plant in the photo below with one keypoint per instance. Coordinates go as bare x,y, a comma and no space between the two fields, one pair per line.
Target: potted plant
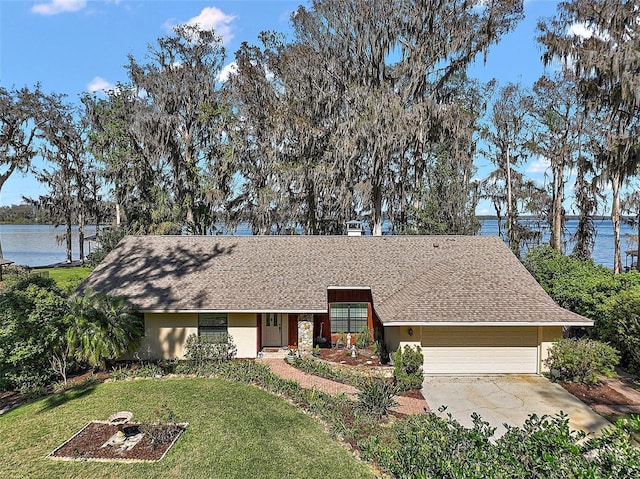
292,356
316,351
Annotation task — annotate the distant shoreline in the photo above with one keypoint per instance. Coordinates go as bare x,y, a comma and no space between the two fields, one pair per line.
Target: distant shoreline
479,217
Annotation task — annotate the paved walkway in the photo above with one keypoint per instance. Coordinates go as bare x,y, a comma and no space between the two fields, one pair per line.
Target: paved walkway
308,381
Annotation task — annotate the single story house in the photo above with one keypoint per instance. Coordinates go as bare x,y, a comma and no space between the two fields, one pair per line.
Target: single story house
466,300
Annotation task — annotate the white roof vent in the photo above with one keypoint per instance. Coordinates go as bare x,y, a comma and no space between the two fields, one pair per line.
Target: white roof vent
354,228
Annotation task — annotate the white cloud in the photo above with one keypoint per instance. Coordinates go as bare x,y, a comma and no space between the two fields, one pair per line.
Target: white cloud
216,19
227,71
99,84
58,6
539,165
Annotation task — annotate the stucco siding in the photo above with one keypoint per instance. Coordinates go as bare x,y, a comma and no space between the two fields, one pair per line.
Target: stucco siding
398,336
547,336
166,333
243,330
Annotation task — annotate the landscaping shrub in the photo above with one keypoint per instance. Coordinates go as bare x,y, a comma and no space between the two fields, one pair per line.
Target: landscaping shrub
148,370
427,446
622,326
363,339
32,325
581,360
322,369
376,397
200,350
407,368
580,286
120,373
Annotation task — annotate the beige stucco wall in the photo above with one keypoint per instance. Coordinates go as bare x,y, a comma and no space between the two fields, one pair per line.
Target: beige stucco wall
398,336
547,335
243,330
166,333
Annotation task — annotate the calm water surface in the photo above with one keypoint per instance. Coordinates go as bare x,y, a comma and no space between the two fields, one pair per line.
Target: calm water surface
36,245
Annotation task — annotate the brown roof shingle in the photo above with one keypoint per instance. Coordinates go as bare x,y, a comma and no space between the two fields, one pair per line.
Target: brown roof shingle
413,279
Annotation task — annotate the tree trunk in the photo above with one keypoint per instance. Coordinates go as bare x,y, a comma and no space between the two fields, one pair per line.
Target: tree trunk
117,214
376,229
81,236
312,220
376,196
615,220
499,216
555,240
68,239
514,244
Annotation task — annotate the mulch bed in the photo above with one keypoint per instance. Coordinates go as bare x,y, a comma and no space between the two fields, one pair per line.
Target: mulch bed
343,356
363,360
596,395
86,445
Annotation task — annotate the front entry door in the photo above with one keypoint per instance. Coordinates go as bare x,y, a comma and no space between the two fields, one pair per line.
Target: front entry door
272,330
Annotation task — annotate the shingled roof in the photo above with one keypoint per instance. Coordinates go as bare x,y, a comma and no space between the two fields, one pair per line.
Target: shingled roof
413,279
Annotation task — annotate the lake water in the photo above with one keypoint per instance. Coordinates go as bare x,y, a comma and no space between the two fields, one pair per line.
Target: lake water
36,245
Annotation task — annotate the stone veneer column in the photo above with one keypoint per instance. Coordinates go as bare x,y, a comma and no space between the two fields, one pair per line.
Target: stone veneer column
305,334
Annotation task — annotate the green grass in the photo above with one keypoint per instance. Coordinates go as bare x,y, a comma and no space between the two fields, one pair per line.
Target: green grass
69,278
235,431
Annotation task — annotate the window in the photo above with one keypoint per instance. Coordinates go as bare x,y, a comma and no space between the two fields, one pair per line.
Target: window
348,317
212,325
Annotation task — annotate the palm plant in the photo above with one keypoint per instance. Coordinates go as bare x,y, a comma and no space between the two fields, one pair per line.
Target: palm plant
102,328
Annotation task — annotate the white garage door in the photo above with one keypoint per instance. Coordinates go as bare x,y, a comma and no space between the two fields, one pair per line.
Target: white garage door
480,350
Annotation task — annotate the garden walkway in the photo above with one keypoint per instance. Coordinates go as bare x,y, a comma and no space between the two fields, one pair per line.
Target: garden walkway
406,405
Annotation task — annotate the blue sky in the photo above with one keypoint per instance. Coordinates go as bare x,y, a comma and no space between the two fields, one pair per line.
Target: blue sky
73,46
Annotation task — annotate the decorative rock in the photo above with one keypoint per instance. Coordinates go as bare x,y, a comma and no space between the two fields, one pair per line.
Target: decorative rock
305,334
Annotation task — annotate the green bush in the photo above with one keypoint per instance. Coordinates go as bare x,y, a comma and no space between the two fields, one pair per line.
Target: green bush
376,397
32,325
582,360
200,350
580,286
407,368
427,446
622,326
148,370
363,339
322,369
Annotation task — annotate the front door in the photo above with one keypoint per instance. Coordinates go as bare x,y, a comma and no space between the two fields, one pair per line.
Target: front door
271,330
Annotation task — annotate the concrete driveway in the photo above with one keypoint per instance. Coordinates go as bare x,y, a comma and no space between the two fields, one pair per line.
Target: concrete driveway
506,399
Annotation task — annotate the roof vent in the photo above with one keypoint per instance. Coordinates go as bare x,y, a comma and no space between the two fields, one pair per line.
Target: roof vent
354,228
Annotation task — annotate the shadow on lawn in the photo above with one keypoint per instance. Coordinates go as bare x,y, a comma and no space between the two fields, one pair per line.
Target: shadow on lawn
71,394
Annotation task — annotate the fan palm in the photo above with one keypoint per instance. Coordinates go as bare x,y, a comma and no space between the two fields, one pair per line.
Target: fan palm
102,328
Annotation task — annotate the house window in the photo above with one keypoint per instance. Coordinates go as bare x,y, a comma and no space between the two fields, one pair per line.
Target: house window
212,325
349,317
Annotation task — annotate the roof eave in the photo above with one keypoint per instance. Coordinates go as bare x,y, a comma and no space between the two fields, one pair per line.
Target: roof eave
184,311
487,323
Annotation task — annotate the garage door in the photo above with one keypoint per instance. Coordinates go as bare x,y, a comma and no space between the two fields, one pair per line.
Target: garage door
480,350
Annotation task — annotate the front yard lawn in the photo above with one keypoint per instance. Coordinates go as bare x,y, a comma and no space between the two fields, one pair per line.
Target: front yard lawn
69,277
235,431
